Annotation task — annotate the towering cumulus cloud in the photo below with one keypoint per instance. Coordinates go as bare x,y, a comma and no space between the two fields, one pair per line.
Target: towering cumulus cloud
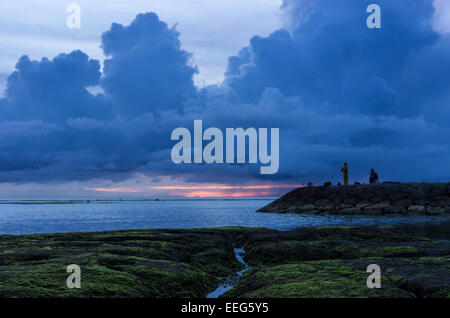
53,90
337,90
328,54
147,71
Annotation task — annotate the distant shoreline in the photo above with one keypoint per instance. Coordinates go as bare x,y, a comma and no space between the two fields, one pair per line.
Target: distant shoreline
77,201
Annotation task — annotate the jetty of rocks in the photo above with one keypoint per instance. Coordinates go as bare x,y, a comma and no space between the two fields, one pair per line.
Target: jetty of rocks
374,199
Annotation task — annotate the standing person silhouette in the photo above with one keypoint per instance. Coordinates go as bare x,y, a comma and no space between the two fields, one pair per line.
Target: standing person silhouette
373,177
344,171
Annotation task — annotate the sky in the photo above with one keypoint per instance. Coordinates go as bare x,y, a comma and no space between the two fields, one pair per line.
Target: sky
211,30
88,112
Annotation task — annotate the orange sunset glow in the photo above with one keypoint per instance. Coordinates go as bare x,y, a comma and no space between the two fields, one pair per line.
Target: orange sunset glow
204,191
216,194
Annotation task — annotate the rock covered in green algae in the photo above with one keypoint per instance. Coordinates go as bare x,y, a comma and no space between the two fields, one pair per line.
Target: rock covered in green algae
135,263
332,262
373,199
312,262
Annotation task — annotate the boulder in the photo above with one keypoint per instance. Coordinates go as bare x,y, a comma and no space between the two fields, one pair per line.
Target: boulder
350,201
435,210
373,211
420,202
353,210
341,207
322,202
395,210
378,206
418,194
362,205
397,196
404,203
292,209
307,207
313,212
416,208
328,207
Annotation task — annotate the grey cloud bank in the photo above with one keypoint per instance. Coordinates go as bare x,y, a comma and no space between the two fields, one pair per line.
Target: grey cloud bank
337,90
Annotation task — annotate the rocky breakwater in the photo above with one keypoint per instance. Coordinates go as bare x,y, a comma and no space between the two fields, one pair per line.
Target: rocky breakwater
376,199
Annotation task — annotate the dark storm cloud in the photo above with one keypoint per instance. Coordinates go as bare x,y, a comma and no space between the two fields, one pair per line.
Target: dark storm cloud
333,57
337,90
147,71
372,97
53,90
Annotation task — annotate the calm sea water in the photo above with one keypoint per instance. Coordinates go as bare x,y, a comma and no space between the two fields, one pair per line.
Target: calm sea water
100,216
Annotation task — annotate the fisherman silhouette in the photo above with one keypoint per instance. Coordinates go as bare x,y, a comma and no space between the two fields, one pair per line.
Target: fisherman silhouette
373,176
344,171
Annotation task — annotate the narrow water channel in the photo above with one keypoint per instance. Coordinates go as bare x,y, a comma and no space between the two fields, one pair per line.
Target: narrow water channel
229,283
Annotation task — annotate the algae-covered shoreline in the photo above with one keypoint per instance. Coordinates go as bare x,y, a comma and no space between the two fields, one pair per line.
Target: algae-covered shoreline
308,262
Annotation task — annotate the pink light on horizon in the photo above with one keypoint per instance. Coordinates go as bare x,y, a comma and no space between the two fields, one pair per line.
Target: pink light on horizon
205,190
227,187
215,194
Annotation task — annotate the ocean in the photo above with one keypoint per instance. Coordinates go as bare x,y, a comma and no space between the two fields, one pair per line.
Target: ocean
80,216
